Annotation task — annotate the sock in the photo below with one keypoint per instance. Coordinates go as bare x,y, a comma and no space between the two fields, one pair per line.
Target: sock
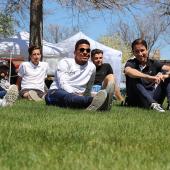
2,101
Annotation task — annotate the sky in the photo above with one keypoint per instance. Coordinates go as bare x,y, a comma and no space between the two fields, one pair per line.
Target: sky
93,24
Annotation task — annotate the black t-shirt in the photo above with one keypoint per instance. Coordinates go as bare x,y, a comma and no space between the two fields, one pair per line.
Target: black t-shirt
153,67
101,72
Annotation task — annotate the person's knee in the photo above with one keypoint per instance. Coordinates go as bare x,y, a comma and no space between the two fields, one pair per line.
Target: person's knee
109,79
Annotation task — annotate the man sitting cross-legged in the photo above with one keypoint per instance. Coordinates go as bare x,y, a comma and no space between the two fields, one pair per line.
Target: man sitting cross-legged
74,78
147,80
32,75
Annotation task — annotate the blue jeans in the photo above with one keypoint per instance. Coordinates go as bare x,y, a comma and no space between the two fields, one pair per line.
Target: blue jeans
62,98
142,97
96,88
2,92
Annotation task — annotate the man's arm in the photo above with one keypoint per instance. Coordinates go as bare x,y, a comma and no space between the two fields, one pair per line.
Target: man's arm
133,73
62,76
18,83
21,72
89,85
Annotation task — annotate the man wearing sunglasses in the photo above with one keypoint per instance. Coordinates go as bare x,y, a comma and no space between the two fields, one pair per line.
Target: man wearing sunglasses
73,80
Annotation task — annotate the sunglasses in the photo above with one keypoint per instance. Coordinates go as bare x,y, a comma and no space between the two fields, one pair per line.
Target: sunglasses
83,49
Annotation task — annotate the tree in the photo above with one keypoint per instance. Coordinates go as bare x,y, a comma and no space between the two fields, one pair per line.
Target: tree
162,6
8,18
116,42
145,27
36,12
98,4
6,25
17,9
55,33
36,22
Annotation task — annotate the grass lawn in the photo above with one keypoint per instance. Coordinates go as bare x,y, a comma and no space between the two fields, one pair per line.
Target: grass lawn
36,136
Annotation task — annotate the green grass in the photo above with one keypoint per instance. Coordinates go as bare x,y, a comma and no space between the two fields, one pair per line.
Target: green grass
36,136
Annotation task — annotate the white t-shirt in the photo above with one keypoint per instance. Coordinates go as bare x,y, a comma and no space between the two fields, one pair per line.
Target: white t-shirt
33,76
74,78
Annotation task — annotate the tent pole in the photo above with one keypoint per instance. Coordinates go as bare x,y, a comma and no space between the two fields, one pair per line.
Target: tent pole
10,60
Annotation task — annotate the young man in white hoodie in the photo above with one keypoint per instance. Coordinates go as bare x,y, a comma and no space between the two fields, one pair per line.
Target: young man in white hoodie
73,81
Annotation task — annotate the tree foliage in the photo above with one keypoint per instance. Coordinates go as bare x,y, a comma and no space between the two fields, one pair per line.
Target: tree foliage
13,6
6,25
163,6
8,18
151,27
116,42
98,4
147,27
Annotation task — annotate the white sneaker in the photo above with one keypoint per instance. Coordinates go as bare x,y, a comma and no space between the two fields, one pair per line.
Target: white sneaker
11,96
157,107
97,101
34,96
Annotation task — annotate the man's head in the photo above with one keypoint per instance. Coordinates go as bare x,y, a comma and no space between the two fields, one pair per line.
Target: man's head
97,57
139,49
34,54
82,51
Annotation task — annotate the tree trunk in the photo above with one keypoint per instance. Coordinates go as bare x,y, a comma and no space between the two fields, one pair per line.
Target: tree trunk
36,23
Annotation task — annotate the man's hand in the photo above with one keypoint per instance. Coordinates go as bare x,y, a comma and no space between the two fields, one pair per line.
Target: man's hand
156,79
162,76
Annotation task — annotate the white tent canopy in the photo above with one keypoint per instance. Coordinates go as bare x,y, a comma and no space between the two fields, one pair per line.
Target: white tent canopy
17,46
111,56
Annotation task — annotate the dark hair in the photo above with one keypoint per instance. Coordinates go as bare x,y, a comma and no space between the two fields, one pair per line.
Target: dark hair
96,51
32,48
139,41
81,41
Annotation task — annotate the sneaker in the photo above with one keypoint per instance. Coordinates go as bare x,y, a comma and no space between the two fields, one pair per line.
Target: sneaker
34,96
157,107
97,101
110,92
11,96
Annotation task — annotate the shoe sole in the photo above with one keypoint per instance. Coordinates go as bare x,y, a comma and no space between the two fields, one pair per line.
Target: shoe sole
97,101
157,108
11,95
34,96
